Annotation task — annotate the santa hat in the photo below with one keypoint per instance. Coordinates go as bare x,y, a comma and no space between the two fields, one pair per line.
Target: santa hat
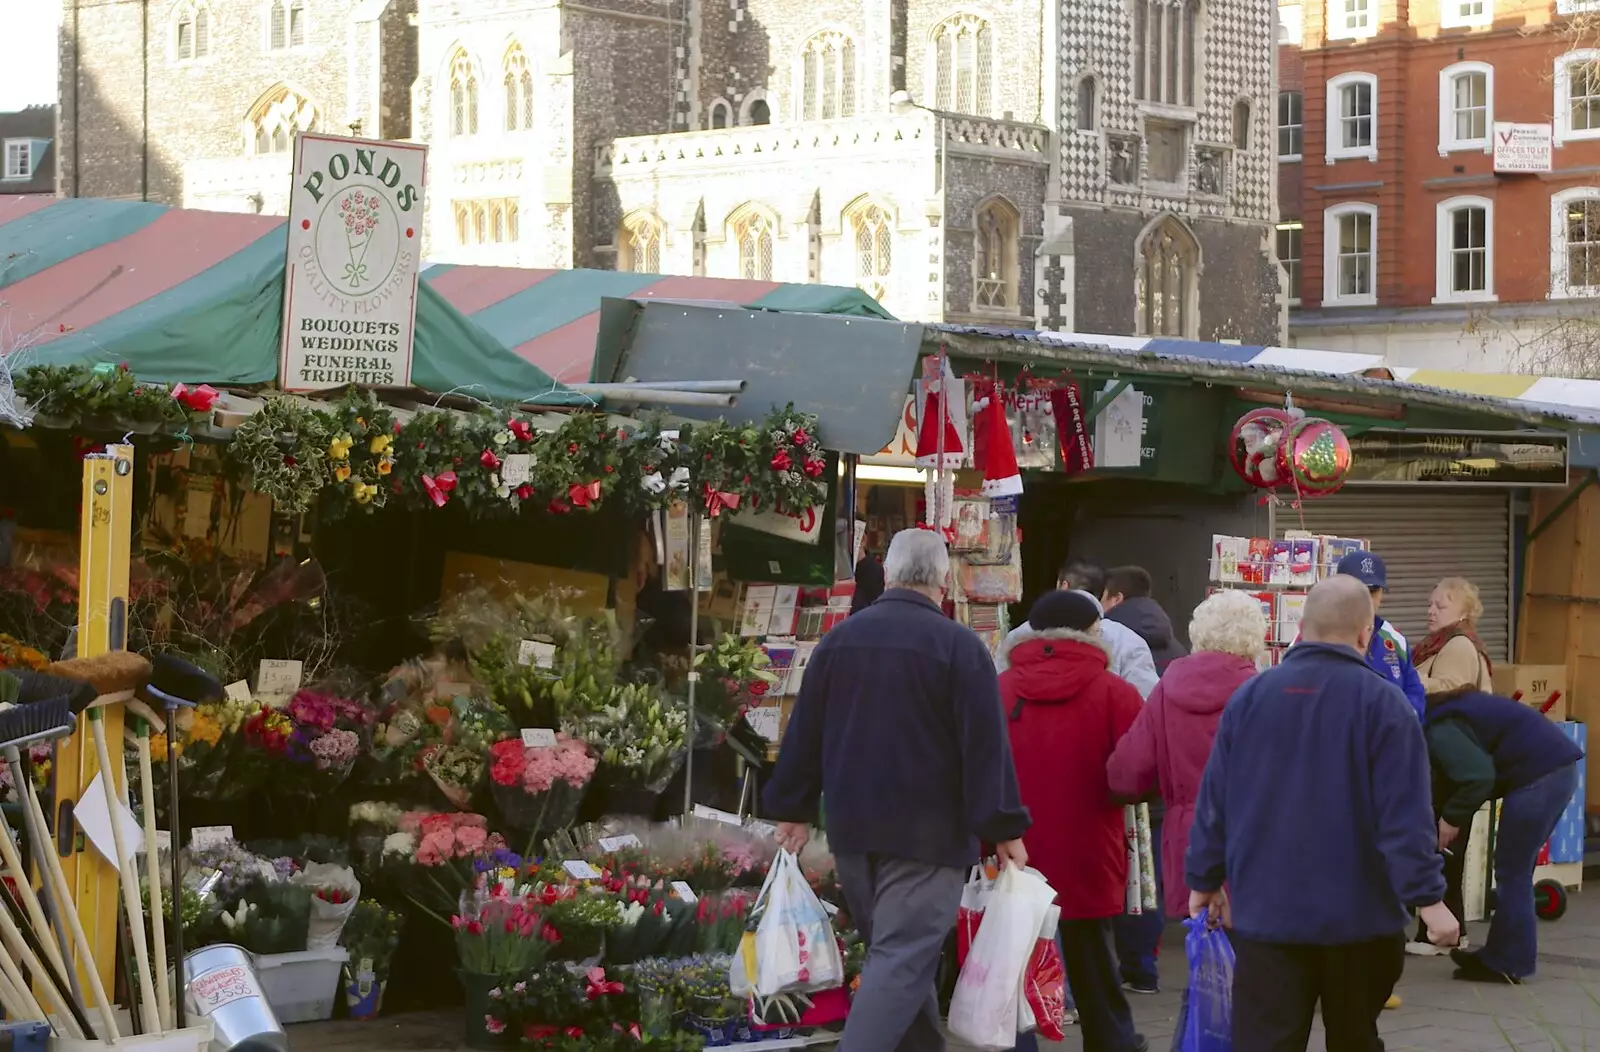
941,407
992,447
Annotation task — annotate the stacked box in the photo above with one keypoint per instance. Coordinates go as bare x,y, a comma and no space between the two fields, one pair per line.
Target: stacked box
1566,843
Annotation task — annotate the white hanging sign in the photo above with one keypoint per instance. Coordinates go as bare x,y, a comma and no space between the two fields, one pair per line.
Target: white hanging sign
355,251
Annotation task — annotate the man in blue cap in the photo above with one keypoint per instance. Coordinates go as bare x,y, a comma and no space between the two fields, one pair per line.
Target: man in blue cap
1387,653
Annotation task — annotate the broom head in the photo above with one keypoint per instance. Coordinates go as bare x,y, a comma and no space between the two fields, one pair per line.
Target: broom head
25,725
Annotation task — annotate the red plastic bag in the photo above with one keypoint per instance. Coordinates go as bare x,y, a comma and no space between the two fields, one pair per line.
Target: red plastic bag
1544,855
970,915
1042,1006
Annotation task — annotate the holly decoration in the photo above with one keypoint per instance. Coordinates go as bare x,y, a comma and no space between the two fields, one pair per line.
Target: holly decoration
109,395
282,452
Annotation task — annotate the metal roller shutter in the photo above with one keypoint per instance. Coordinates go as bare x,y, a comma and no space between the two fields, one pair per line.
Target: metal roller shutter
1423,536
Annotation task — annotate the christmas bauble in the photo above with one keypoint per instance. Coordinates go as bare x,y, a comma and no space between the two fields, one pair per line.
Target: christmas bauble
1253,446
1316,455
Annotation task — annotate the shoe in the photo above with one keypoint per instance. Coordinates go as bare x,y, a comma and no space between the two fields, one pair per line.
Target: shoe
1425,949
1471,969
1140,1044
1069,1018
1145,989
1392,1003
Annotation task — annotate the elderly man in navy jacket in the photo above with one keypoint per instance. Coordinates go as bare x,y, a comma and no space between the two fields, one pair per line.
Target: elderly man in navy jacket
899,726
1314,811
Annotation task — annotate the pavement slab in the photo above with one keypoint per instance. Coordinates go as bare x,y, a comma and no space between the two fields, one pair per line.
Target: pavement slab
1556,1011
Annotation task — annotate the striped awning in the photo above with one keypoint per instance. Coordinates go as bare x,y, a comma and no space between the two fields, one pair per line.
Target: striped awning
197,297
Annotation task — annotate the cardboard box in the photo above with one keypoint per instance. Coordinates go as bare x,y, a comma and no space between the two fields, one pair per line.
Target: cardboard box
1535,684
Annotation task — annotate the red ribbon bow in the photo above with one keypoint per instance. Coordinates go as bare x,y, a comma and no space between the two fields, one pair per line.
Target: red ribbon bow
583,495
717,499
596,984
489,460
521,429
438,487
196,399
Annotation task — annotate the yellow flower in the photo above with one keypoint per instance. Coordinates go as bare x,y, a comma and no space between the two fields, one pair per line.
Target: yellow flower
381,443
385,466
364,492
205,729
158,748
339,448
341,473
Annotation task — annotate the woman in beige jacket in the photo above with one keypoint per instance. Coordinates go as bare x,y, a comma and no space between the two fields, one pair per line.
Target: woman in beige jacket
1452,658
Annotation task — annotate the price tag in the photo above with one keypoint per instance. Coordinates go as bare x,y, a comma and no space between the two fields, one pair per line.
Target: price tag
239,691
364,970
536,653
765,720
685,892
163,840
538,738
515,469
774,567
209,836
580,870
221,987
278,679
617,843
711,814
766,829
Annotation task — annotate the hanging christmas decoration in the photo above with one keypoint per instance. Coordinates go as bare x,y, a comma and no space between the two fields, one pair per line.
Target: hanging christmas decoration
993,451
1315,456
1254,444
941,440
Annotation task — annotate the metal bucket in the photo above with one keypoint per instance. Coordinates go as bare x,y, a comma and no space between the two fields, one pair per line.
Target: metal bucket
220,984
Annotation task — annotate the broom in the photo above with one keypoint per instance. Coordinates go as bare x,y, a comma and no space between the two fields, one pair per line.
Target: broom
25,946
119,673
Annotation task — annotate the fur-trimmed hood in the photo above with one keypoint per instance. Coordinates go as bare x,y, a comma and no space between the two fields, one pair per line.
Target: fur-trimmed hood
1046,665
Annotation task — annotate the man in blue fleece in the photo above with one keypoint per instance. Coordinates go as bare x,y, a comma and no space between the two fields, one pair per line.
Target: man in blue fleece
899,726
1314,812
1388,653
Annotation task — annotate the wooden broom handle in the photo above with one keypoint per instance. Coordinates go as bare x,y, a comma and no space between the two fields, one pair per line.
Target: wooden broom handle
152,865
12,938
29,897
149,1012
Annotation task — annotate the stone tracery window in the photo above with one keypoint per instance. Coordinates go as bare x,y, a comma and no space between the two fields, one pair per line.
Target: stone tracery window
753,233
192,32
276,118
463,96
995,257
286,24
639,245
1168,260
519,90
486,222
1165,49
827,77
874,244
963,65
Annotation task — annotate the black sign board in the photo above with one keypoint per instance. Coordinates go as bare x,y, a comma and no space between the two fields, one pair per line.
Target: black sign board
1459,458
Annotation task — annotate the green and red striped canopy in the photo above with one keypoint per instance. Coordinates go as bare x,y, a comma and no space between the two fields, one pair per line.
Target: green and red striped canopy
197,297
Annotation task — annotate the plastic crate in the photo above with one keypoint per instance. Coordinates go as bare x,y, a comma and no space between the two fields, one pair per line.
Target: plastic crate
301,987
24,1037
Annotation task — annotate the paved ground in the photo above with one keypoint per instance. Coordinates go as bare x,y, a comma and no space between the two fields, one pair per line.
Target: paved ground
1559,1011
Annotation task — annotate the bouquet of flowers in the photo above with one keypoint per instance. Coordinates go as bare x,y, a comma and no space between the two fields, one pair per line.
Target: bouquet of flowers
371,936
455,769
539,788
648,919
505,937
334,893
442,852
226,871
638,736
732,673
41,758
271,917
582,921
210,738
709,1003
371,823
323,742
720,920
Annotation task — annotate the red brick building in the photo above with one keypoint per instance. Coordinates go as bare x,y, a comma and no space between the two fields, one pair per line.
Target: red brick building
1409,242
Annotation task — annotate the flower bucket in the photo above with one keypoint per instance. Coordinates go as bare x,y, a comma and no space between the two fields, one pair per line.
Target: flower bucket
220,984
546,812
479,1035
363,995
717,1033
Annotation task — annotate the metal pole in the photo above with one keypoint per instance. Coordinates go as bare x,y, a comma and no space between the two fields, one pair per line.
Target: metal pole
701,386
656,396
694,651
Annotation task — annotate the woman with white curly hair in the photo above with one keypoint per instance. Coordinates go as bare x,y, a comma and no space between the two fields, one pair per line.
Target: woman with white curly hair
1170,742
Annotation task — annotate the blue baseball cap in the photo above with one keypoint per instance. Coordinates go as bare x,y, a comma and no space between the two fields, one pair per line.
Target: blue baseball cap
1365,567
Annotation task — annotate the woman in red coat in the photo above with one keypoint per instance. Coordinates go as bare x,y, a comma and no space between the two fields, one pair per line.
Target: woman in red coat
1066,712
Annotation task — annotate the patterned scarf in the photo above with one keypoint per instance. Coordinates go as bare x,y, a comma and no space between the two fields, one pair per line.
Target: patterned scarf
1436,641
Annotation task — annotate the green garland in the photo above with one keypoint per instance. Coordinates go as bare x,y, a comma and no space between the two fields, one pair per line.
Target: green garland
353,455
105,395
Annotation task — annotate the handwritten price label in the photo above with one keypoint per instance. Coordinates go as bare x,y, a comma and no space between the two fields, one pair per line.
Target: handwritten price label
516,468
617,843
685,892
538,738
711,814
537,653
221,987
578,869
210,836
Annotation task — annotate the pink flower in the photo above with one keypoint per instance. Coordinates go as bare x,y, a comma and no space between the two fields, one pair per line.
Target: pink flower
493,1025
470,840
428,854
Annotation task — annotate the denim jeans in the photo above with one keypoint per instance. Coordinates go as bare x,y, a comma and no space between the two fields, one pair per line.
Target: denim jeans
1139,937
1527,818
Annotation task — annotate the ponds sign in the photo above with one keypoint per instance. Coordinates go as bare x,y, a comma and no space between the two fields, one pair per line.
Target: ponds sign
355,249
